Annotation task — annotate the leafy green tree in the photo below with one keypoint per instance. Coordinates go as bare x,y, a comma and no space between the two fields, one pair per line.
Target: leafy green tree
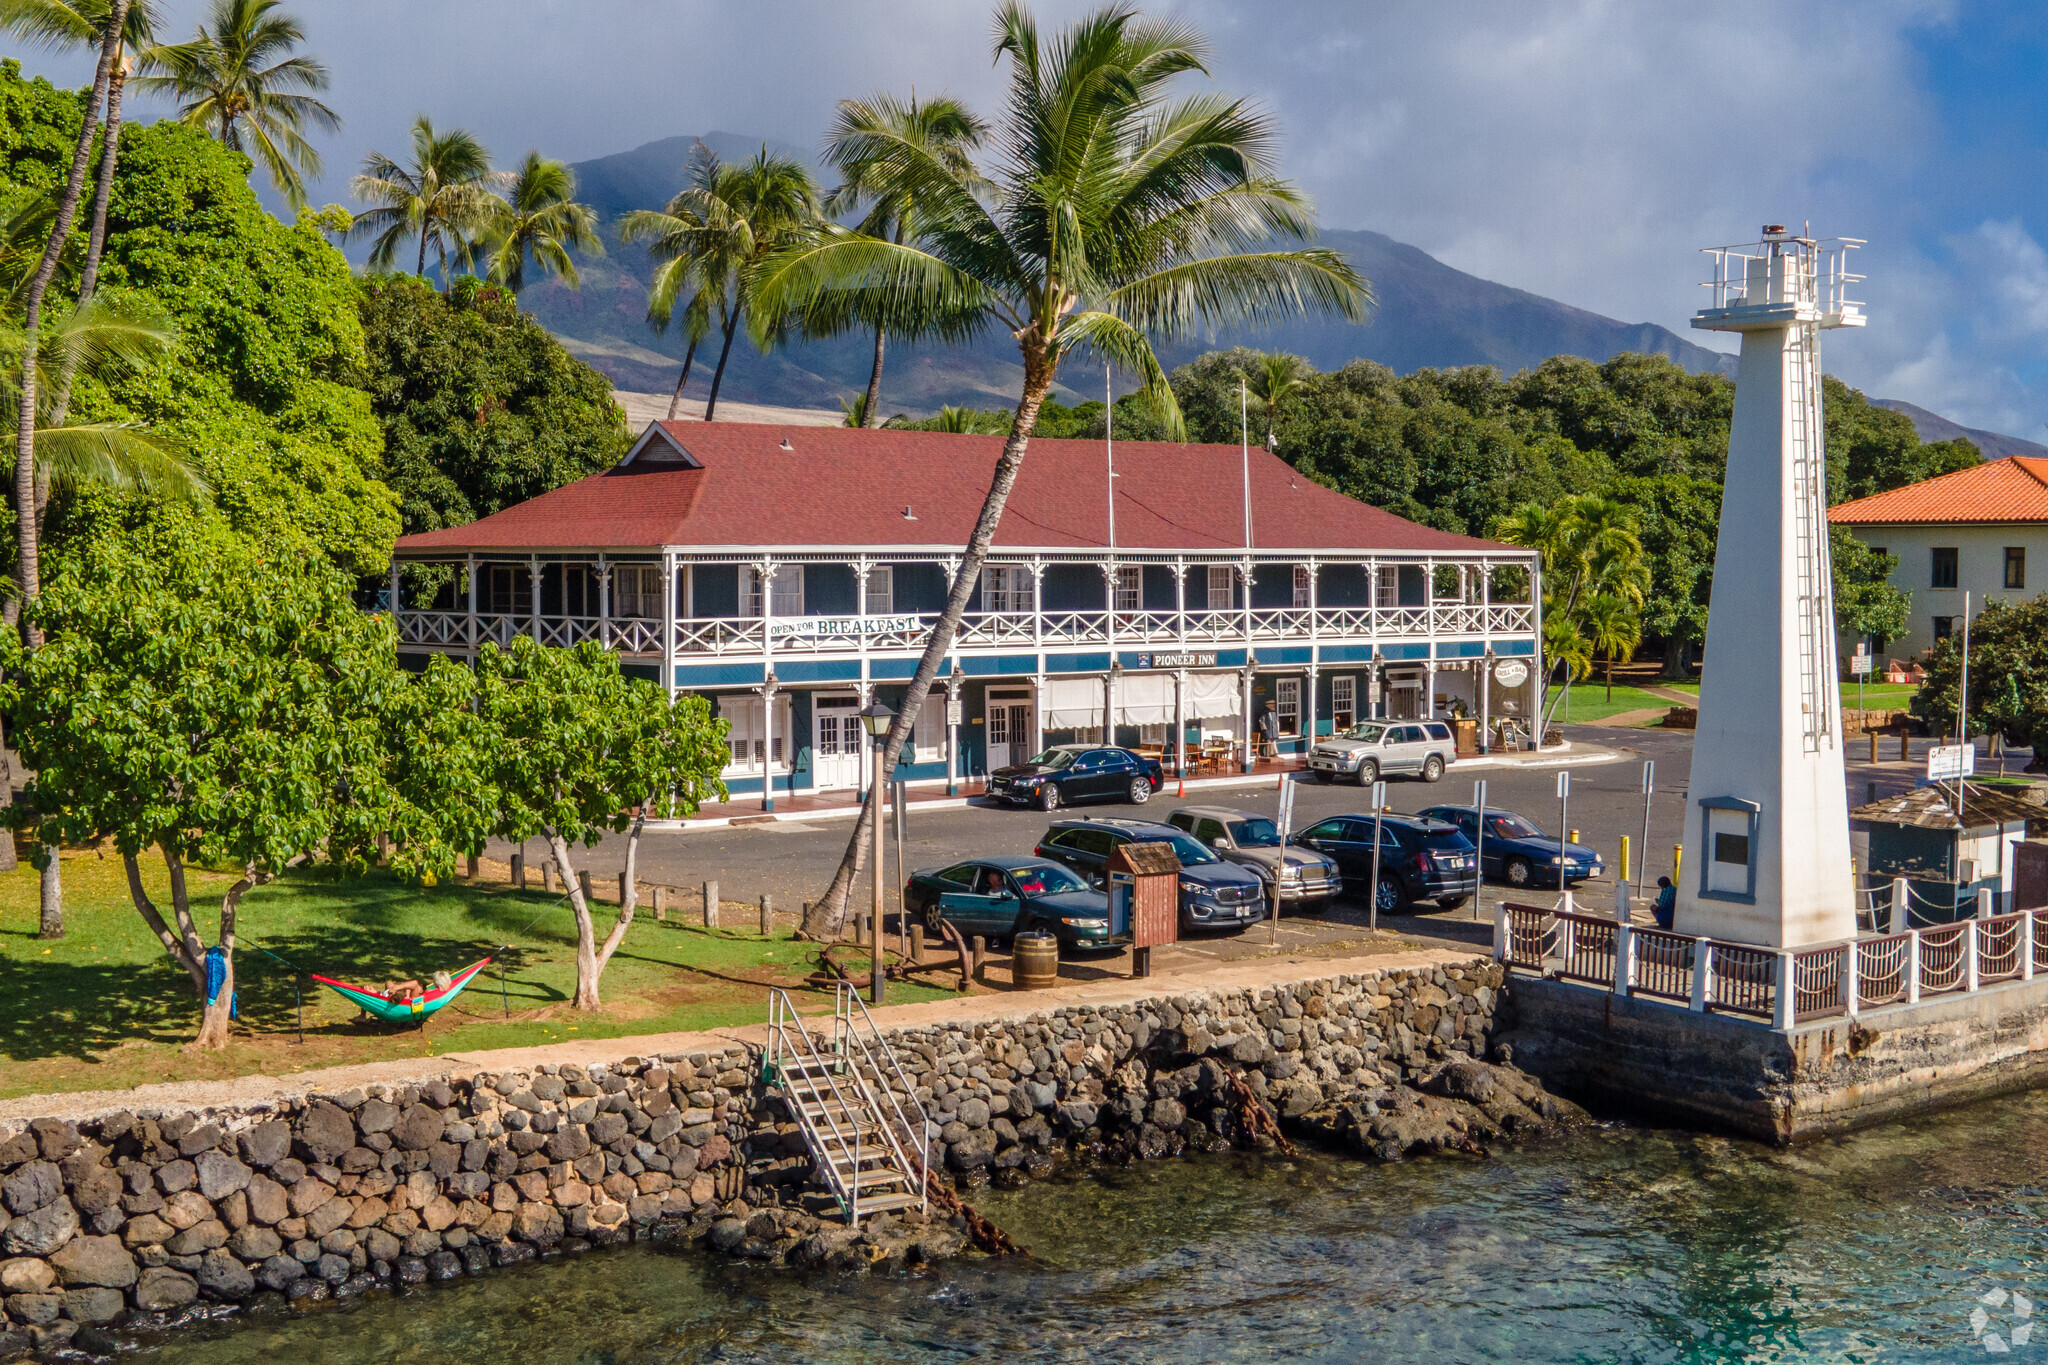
714,235
1114,213
1614,627
1867,606
214,699
1872,449
240,80
862,147
570,749
443,198
1590,554
539,218
2008,676
1280,375
481,407
686,265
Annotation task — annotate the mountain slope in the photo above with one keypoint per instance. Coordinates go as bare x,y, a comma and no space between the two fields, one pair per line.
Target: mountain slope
1934,427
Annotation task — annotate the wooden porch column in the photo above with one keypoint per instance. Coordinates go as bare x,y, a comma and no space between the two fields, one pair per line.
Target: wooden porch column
475,644
533,568
604,602
668,622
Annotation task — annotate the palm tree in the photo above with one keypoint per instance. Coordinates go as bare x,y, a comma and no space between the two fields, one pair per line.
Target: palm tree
677,243
444,198
1589,548
239,81
1279,376
1614,626
860,147
1115,213
540,218
28,564
723,224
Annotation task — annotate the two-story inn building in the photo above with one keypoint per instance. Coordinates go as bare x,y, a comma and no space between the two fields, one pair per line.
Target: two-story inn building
791,574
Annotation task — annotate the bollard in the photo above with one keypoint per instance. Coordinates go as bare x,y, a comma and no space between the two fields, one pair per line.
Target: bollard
978,949
1869,793
1677,861
583,885
917,943
470,865
1575,836
1873,746
1902,746
661,902
1621,901
519,869
1624,859
1984,902
547,877
767,914
1901,906
711,905
860,927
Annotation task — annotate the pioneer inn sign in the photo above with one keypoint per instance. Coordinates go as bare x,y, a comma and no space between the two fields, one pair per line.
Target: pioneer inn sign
790,574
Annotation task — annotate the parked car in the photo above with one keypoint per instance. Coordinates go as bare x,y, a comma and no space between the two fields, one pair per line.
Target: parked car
1517,852
1213,893
1077,772
1374,749
1420,859
1000,898
1308,880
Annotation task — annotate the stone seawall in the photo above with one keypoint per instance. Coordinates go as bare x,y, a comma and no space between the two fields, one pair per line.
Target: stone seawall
112,1217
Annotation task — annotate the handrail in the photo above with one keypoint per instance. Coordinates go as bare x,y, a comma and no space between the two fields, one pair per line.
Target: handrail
848,992
781,1015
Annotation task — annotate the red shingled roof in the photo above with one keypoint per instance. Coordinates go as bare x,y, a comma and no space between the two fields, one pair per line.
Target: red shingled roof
2003,491
839,487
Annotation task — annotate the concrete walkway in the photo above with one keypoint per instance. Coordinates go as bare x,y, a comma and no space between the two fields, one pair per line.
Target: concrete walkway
258,1092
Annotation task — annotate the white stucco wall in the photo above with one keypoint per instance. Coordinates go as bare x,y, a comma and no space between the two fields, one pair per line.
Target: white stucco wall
1980,571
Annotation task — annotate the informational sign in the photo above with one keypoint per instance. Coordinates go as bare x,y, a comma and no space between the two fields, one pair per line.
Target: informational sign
1286,821
841,627
1948,762
1511,672
1176,661
1859,662
953,710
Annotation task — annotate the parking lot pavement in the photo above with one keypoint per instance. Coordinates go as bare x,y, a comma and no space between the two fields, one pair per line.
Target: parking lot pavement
793,860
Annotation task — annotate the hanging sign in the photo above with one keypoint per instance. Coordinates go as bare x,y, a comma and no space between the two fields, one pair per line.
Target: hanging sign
1511,672
841,627
1948,762
1176,661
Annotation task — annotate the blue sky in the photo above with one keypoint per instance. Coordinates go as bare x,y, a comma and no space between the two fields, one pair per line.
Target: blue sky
1582,149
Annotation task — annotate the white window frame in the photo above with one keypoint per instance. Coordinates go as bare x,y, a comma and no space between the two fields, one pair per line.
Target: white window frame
1287,698
1386,589
1006,587
928,736
636,591
788,599
880,597
1222,579
745,745
1130,588
1301,585
1343,701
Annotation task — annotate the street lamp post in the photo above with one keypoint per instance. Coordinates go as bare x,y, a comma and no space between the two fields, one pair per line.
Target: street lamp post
877,718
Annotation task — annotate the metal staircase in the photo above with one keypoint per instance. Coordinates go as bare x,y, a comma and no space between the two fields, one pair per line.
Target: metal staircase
854,1103
1810,547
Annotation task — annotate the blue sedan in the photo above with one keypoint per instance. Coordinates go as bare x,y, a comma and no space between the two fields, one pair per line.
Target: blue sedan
1004,897
1517,852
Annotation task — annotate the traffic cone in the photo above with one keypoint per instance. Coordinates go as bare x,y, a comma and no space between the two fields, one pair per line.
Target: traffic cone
1180,785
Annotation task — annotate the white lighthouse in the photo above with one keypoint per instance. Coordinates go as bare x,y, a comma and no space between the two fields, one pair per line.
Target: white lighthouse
1767,823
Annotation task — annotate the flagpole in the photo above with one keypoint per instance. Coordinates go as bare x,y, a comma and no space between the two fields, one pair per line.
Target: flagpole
1109,449
1244,445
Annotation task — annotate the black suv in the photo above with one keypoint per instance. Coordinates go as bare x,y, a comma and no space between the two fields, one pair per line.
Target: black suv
1213,893
1419,859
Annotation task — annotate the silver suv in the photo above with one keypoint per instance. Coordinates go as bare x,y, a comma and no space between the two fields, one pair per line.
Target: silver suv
1385,748
1308,880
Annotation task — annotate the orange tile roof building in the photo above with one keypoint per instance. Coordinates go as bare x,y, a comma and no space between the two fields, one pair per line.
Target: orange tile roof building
1980,533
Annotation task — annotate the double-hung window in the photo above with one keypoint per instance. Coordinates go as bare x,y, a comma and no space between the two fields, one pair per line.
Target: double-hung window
2015,566
788,598
881,593
1287,705
1343,702
1130,588
1944,567
1221,579
1301,585
1006,587
636,590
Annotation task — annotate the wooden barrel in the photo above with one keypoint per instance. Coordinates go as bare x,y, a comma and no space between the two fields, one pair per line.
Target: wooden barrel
1034,961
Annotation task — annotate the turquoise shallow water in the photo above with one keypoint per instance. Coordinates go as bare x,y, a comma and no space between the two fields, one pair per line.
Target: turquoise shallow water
1620,1245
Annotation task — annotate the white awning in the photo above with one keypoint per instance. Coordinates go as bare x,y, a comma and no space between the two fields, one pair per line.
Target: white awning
1145,699
1071,704
1211,696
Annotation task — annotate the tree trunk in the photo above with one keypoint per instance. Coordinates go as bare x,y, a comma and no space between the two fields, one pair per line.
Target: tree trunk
95,243
731,325
32,316
587,967
180,950
1674,657
828,915
8,858
1610,677
871,415
675,403
216,1015
53,897
422,271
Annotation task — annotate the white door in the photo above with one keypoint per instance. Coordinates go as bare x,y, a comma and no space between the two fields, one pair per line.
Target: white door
1009,732
835,742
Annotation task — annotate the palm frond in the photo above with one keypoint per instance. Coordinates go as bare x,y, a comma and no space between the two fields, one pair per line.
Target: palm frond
116,455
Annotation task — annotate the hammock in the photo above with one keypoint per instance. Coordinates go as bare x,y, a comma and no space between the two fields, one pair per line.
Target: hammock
403,1011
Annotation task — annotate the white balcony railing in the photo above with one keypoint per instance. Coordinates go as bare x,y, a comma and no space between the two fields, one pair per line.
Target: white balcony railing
721,636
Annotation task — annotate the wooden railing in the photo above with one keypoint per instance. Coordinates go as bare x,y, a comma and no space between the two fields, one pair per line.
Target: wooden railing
1785,986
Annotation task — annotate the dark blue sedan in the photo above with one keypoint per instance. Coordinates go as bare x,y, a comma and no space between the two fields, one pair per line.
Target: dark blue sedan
1517,852
1078,772
1004,897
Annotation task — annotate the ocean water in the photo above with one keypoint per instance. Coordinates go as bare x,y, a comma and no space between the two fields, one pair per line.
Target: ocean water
1619,1244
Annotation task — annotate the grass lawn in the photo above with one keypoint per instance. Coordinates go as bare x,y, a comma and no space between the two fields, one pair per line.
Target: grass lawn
1876,696
104,1008
1588,703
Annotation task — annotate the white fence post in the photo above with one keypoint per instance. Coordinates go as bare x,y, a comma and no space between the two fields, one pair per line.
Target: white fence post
2026,945
1851,977
1702,973
1567,939
1500,933
1569,905
1912,969
1970,955
1621,901
1901,919
1984,909
1782,1009
1624,957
